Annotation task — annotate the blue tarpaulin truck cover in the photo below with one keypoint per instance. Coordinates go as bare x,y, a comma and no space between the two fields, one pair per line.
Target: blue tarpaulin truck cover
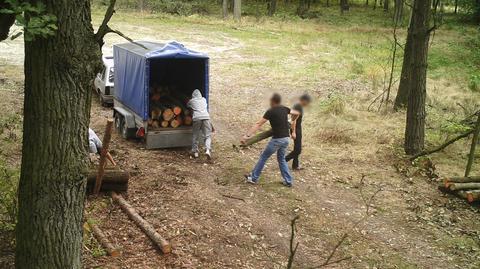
132,70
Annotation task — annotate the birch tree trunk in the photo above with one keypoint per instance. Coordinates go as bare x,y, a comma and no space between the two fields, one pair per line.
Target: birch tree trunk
58,74
415,128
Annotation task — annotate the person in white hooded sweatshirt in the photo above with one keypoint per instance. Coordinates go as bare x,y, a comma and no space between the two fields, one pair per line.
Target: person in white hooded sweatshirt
202,127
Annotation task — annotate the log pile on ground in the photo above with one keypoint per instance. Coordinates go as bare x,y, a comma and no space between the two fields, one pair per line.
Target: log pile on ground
465,187
113,180
168,109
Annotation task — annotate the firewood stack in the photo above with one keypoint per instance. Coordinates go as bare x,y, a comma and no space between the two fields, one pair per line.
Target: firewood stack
465,187
167,109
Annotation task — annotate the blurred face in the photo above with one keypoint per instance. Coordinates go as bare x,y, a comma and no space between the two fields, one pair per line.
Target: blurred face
304,103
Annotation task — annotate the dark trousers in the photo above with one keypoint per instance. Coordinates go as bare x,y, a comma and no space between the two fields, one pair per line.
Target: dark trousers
297,150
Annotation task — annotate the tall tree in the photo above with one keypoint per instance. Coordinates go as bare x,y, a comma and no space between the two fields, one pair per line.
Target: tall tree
386,5
398,12
225,8
405,78
272,7
415,127
58,73
344,6
237,9
303,7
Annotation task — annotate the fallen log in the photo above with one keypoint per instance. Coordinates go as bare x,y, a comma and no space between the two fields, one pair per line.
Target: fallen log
165,123
464,186
257,138
168,114
111,176
103,240
146,227
443,146
473,196
177,110
175,123
448,181
113,180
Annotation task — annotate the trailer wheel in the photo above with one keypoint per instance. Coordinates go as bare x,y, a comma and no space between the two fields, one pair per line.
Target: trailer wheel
125,133
119,122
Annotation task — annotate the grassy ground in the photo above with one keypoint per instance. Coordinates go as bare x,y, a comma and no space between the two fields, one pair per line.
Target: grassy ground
342,61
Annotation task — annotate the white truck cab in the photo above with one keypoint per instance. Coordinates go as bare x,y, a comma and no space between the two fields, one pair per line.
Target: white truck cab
104,81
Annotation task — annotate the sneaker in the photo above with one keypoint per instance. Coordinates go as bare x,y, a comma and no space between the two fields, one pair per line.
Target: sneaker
297,168
249,180
195,155
288,185
209,155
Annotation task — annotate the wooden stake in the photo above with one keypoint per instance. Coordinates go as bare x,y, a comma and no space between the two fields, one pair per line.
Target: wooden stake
472,148
103,240
103,156
146,227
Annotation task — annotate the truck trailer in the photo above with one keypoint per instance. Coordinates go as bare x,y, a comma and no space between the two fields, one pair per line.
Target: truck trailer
153,82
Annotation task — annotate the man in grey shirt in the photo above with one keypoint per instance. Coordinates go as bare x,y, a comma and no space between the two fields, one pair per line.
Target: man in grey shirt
202,127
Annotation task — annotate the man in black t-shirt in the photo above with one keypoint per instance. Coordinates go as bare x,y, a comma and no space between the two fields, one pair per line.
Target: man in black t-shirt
297,131
278,117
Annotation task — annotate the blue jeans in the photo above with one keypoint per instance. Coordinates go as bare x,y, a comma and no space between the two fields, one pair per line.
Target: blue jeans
278,145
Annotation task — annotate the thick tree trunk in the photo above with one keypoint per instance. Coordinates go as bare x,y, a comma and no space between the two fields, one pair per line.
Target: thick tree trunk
237,9
225,8
398,13
303,7
415,127
344,6
272,7
58,75
401,99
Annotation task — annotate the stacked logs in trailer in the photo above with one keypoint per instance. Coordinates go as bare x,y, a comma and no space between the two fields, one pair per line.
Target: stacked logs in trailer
465,187
168,109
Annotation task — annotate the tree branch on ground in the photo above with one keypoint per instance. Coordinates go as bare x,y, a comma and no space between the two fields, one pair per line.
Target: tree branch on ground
443,146
367,200
293,250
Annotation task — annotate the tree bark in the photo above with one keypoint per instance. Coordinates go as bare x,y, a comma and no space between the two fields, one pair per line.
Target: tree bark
344,6
415,127
103,240
58,75
386,5
401,99
471,156
398,13
272,7
303,7
237,9
225,8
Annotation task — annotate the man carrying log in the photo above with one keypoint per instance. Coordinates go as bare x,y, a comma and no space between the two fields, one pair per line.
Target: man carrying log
304,101
202,127
278,117
96,145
